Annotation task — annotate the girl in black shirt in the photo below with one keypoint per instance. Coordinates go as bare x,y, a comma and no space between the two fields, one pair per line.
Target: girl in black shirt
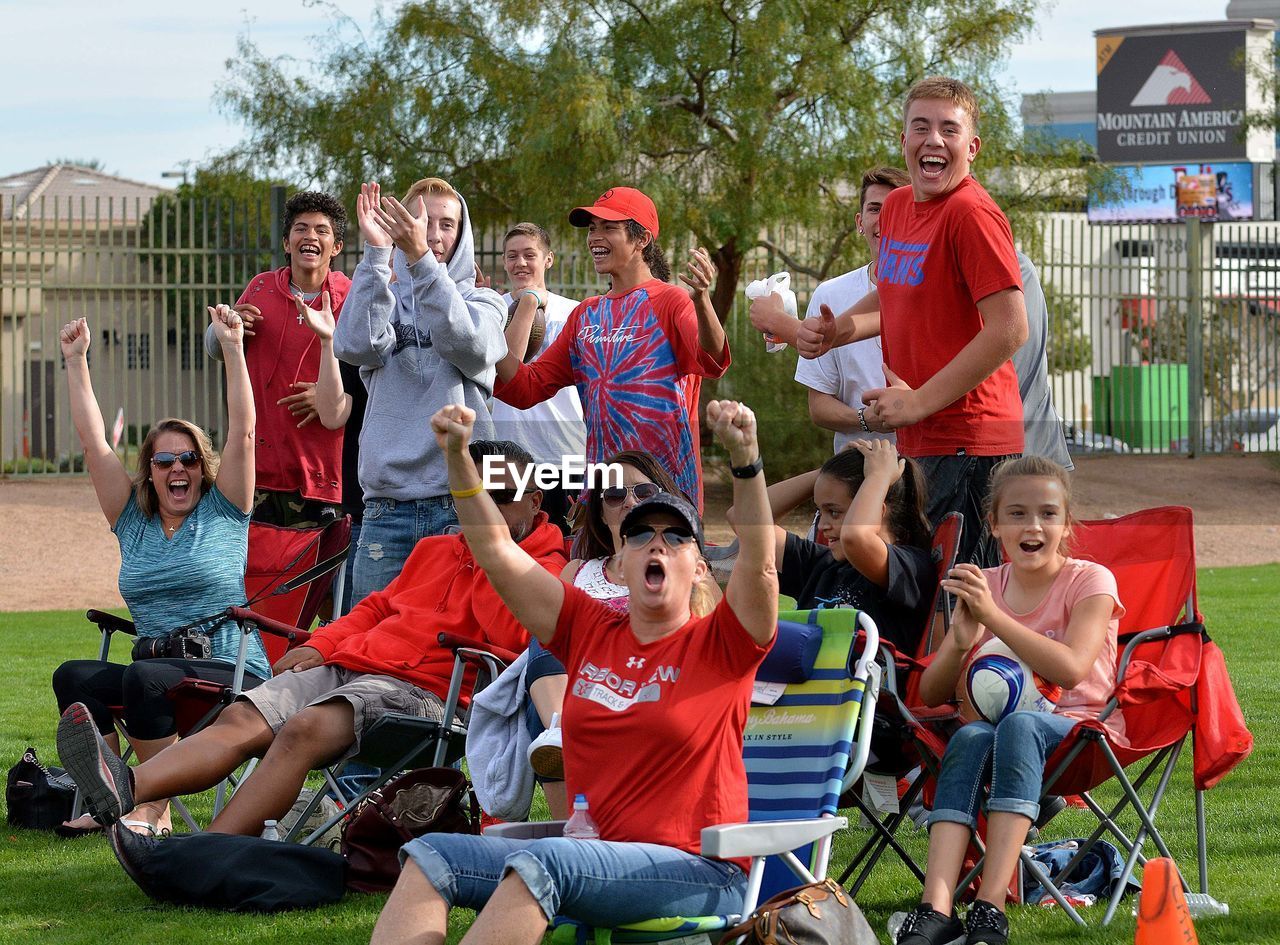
871,511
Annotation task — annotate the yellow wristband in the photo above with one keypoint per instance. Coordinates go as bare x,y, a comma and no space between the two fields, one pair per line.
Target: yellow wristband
466,493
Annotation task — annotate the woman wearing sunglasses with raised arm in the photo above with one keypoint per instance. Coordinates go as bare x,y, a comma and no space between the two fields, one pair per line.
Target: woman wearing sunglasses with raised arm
596,568
182,521
655,712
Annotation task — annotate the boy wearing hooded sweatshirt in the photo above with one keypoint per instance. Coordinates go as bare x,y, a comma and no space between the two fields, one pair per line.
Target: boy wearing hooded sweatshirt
429,337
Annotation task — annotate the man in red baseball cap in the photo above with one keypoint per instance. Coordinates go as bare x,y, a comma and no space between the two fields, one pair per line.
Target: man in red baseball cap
637,354
619,204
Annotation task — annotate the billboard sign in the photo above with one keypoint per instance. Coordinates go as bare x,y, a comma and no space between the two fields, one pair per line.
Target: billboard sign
1176,94
1169,192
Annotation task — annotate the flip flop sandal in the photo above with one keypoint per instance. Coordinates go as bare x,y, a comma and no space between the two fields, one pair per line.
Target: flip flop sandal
67,832
145,829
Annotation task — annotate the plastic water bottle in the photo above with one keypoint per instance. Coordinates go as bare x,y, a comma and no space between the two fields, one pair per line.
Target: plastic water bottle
270,831
779,283
580,825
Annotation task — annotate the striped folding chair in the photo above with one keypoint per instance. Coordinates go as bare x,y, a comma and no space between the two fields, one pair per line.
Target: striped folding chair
806,741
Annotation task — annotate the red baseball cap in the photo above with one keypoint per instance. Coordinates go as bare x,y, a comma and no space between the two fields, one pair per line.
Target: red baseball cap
619,203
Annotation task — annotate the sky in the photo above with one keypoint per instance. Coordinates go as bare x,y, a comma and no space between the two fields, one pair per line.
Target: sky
132,83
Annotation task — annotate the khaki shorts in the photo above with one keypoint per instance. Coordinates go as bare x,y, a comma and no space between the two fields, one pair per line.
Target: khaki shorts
282,697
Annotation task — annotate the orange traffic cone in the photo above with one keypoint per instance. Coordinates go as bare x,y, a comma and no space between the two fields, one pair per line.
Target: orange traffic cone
1163,917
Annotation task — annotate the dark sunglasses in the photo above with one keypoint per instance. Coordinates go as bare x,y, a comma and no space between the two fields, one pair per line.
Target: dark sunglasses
616,495
676,536
188,458
506,496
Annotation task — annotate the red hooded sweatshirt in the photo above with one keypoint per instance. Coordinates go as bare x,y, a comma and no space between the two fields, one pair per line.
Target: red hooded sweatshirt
307,460
392,632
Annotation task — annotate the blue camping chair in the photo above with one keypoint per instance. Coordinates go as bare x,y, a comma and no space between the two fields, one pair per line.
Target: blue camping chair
801,753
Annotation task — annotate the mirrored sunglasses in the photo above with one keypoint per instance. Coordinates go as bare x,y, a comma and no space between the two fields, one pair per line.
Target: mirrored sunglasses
188,459
676,536
616,495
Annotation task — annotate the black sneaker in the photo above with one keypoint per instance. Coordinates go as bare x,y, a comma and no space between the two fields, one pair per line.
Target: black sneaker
925,925
987,925
103,778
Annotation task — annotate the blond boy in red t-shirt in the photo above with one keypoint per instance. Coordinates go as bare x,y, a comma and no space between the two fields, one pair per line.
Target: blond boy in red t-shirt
949,310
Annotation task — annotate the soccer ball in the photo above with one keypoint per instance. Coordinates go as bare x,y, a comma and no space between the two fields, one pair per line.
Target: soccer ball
995,682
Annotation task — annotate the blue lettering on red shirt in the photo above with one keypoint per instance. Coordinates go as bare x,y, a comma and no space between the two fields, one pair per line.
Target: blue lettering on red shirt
902,263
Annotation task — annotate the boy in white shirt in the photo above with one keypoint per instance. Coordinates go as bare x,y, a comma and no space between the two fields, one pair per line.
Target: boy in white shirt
553,429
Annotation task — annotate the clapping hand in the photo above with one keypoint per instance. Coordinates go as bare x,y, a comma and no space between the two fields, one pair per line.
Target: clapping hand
452,425
407,229
373,233
74,338
321,320
969,585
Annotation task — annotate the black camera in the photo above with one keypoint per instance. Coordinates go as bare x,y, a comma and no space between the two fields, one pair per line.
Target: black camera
186,644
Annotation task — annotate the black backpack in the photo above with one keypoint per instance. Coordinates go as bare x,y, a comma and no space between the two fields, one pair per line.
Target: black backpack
38,798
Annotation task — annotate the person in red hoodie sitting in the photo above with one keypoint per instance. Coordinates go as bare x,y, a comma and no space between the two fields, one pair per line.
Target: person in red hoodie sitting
289,316
382,657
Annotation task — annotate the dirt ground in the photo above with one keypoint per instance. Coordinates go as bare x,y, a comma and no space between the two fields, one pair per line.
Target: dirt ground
56,552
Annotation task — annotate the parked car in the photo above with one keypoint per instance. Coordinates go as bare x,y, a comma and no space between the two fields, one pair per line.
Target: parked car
1080,443
1248,430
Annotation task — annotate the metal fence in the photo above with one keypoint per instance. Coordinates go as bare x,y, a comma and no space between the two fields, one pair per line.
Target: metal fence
1162,337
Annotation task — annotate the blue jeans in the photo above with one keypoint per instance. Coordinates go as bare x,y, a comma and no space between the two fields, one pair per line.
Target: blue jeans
961,483
598,882
348,573
388,534
1012,754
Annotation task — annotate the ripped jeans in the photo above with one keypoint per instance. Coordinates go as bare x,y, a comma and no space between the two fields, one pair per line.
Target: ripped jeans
389,532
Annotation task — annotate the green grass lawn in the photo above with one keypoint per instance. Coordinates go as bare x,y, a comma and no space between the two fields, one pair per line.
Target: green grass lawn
73,892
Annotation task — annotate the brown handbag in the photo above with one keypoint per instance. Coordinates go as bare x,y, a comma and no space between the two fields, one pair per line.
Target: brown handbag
425,800
816,914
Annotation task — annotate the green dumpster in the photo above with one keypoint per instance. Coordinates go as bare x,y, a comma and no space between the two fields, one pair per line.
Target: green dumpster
1149,404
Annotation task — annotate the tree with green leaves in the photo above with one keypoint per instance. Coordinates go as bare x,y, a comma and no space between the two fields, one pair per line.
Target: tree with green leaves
739,117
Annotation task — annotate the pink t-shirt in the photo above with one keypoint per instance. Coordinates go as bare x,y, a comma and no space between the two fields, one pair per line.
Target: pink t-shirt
1076,581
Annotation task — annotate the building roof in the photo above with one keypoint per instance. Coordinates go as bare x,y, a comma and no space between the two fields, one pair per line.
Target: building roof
66,192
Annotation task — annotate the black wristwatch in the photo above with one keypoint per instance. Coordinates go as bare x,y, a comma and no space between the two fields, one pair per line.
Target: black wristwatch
748,472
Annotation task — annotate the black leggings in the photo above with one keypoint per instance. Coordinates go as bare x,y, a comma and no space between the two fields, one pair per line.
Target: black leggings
140,687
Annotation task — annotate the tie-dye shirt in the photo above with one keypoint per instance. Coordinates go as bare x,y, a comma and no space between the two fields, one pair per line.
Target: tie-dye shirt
636,363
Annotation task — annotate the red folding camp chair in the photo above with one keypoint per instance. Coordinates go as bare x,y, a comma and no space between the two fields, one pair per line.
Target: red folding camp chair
902,741
289,575
1171,684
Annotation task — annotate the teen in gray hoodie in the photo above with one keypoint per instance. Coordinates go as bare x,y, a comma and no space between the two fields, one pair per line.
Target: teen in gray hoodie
430,337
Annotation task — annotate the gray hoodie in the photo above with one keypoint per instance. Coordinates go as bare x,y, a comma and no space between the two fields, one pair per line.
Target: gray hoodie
429,339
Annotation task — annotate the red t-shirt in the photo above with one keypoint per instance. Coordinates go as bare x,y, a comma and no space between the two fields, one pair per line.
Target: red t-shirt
653,731
938,259
638,368
281,351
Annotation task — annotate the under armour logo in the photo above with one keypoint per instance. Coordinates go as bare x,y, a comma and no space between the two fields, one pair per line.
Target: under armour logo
635,662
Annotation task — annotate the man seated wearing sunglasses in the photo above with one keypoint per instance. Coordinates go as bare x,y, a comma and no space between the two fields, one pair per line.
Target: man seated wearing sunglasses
382,657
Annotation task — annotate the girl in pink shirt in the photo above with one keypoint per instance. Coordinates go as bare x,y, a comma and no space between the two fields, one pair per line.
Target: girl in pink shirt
1060,616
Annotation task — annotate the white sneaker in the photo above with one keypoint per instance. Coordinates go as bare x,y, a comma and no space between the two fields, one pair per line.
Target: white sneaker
546,752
